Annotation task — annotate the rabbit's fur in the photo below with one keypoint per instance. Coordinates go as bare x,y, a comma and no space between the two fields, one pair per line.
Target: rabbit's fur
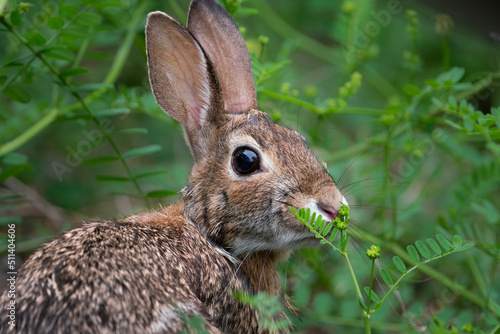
146,273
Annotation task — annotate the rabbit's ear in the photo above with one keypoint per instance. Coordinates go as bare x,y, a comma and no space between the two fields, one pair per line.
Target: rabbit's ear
220,38
180,75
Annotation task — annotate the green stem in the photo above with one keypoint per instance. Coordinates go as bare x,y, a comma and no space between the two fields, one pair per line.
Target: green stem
366,316
29,133
383,327
321,111
3,3
478,277
435,274
371,285
120,58
25,66
82,104
303,42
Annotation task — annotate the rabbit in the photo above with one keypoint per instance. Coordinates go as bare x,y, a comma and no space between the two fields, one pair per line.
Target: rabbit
150,272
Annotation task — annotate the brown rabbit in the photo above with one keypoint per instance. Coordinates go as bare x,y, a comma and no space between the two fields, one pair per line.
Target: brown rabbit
145,273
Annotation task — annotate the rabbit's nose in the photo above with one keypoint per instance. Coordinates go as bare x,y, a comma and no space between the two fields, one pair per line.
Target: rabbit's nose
328,212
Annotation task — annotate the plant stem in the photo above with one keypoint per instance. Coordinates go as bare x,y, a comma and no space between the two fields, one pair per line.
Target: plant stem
303,42
449,283
371,285
321,111
29,133
41,125
120,58
366,316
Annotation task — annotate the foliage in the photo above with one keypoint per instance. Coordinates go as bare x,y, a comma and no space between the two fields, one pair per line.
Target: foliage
328,231
401,103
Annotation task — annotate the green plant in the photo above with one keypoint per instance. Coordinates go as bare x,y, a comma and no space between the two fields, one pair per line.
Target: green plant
328,232
412,139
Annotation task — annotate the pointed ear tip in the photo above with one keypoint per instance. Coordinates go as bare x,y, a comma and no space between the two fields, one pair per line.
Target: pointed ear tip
158,16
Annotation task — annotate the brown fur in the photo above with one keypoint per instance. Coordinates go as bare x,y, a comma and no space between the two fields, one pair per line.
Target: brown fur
148,272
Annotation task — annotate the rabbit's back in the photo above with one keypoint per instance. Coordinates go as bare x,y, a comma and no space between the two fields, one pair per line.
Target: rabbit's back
144,274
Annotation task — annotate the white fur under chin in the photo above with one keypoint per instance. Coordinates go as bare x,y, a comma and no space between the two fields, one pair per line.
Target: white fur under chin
282,242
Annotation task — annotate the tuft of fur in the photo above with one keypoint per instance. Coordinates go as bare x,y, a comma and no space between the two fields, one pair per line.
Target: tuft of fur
148,272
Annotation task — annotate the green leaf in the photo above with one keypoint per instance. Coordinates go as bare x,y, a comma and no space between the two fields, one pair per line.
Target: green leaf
400,265
334,234
435,247
345,241
457,241
413,254
422,248
12,171
432,83
17,93
327,229
307,214
105,4
362,304
112,112
75,32
129,131
98,161
158,172
464,247
88,20
74,71
411,90
14,159
374,297
161,193
105,178
386,276
377,306
322,241
55,22
468,124
321,224
15,17
142,151
496,309
443,242
69,11
10,220
35,38
58,53
94,86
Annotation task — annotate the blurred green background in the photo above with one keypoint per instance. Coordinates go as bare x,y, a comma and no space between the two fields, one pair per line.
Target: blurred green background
399,99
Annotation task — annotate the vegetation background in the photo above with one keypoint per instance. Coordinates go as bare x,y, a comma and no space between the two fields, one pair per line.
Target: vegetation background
399,100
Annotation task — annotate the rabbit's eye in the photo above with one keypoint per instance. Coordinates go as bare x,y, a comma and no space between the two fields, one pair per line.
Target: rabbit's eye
245,160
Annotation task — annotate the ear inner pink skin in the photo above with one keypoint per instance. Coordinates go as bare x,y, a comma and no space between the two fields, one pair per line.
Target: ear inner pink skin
221,39
181,89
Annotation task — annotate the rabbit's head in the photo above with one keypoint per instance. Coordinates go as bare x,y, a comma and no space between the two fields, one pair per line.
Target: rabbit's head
248,170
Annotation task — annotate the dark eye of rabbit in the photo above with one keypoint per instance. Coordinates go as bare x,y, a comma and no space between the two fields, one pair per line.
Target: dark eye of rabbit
245,160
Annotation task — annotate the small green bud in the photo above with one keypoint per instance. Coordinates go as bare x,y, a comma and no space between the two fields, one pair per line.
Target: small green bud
263,40
337,221
348,7
468,328
373,252
311,91
285,88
